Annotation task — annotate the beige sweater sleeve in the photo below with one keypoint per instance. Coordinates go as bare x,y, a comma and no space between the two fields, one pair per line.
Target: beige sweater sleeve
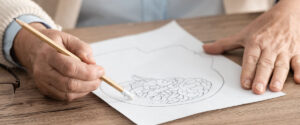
10,9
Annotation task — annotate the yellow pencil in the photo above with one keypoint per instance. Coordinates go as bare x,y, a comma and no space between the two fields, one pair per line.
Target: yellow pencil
68,53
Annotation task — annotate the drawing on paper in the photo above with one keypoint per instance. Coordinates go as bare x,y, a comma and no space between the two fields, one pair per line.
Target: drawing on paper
170,91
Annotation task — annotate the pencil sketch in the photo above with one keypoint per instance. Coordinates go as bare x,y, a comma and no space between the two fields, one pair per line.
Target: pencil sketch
170,91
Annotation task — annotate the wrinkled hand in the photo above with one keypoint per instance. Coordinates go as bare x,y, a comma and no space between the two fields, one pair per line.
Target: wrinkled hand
56,75
271,43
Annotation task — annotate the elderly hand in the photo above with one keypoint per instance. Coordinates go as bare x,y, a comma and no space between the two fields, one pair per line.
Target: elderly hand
271,43
56,75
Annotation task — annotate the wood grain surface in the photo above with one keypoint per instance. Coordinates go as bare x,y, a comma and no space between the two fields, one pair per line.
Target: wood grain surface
28,106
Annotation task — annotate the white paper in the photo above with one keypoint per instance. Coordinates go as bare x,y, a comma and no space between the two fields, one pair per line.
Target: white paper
171,76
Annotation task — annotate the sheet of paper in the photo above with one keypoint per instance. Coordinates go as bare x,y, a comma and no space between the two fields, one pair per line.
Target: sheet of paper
170,75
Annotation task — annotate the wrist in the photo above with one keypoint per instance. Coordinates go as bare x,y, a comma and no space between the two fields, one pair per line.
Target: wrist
25,43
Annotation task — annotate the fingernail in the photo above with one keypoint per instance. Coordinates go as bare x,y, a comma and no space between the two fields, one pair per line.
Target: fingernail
277,85
247,84
259,87
100,72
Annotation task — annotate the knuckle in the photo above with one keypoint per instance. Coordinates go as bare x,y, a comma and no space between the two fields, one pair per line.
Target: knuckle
282,65
72,85
54,36
266,62
252,59
255,40
70,68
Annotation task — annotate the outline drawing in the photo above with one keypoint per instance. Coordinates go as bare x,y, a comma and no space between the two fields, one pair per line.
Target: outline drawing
170,91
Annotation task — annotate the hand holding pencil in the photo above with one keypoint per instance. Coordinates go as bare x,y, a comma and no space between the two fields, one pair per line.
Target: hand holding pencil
67,75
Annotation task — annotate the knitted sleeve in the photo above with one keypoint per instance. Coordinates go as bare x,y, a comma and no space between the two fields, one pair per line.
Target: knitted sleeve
10,9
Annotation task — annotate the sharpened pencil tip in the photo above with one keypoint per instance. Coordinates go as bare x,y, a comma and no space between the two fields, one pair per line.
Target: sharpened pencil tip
128,94
15,19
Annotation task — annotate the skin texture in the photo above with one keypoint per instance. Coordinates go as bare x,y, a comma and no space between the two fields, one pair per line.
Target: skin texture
56,75
271,45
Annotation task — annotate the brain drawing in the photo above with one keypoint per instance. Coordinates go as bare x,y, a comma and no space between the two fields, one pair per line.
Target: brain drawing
181,76
169,90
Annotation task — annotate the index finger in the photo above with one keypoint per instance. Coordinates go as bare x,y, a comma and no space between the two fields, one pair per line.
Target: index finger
71,67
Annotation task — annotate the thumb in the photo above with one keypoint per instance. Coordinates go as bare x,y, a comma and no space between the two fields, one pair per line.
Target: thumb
79,48
222,45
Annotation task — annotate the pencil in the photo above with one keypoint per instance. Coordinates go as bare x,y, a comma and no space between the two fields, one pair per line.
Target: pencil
68,53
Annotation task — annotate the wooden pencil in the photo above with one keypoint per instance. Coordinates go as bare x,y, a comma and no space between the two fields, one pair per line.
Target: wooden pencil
68,53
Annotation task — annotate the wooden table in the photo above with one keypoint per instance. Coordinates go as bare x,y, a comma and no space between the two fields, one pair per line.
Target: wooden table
30,107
